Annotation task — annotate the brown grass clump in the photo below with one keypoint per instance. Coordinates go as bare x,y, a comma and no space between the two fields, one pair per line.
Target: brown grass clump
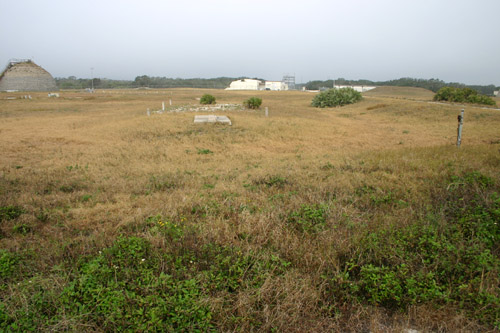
275,217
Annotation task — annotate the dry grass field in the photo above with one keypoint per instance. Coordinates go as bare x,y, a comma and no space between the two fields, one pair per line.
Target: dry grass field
364,218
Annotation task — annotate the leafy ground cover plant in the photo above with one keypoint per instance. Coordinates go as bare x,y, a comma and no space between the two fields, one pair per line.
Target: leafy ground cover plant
454,261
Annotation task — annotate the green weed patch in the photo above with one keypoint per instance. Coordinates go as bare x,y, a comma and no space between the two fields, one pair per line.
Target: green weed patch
454,261
10,212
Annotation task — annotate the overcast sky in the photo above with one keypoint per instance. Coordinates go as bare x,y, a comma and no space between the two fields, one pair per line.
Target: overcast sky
453,40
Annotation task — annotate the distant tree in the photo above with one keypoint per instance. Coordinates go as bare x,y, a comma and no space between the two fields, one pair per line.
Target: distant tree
142,81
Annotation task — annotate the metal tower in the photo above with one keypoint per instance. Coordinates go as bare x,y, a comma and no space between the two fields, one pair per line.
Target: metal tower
289,80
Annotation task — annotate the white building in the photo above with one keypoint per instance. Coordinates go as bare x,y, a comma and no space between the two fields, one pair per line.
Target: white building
276,85
246,84
357,88
495,93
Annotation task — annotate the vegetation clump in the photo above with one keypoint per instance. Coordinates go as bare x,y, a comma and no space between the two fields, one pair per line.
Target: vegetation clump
8,262
454,261
10,212
253,103
207,99
336,97
309,218
462,95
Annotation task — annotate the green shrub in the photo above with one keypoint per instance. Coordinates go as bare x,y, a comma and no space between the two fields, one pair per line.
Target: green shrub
253,103
336,97
462,95
207,99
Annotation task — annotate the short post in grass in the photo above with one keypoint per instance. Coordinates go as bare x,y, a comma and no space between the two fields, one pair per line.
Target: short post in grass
148,112
267,111
163,106
459,130
170,102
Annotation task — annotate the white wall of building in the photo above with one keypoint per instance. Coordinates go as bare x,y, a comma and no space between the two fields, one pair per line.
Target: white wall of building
276,85
246,84
357,88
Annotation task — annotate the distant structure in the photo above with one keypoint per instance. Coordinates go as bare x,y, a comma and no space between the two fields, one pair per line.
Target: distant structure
246,84
495,93
25,75
251,84
276,85
289,80
357,88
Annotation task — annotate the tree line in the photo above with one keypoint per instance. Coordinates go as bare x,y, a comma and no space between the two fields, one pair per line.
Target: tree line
224,82
430,84
145,81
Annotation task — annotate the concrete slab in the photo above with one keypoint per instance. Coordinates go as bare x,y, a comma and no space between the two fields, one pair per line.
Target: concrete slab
212,119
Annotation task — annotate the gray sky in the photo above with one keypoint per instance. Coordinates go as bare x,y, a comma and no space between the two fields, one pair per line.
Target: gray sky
453,40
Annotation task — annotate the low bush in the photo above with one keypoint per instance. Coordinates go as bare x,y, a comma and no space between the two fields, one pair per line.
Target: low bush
253,103
462,95
336,97
207,99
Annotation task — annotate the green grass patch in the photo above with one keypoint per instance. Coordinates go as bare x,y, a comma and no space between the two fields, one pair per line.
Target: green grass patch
10,212
8,263
309,218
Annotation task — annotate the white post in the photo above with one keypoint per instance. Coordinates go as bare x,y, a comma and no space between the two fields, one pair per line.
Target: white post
267,112
459,130
148,113
170,102
163,106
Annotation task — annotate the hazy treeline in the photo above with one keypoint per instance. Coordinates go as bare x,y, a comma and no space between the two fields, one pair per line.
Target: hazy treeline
431,84
224,82
145,81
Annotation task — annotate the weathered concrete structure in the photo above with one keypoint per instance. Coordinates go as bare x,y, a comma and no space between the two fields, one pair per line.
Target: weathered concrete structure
212,119
25,75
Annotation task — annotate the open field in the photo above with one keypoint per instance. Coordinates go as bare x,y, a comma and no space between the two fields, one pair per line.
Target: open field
360,218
